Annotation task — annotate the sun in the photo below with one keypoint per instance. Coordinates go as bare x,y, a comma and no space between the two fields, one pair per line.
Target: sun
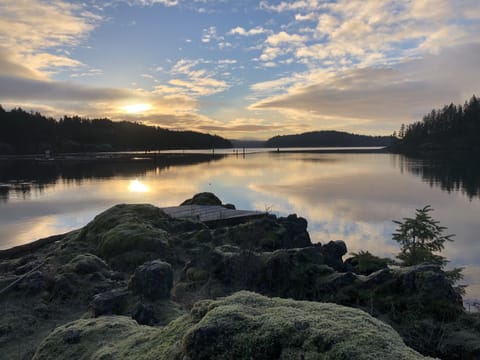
136,108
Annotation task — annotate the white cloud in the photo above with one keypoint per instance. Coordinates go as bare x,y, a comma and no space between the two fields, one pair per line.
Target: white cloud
242,32
284,38
189,80
88,73
327,24
30,27
291,6
382,96
209,34
200,86
227,61
306,17
270,53
167,3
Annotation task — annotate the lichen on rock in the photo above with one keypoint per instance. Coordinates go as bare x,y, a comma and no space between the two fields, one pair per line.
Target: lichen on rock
242,326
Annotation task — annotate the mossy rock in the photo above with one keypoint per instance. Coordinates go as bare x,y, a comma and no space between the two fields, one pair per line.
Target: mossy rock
90,338
242,326
204,198
121,214
131,244
154,280
249,326
86,264
264,234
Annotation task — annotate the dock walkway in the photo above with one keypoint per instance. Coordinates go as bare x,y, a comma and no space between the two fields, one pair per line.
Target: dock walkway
212,215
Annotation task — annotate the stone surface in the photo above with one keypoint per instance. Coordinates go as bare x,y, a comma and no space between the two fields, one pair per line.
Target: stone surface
86,264
144,314
242,326
109,302
154,280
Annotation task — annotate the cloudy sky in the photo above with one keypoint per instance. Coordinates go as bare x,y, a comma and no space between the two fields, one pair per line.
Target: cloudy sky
241,68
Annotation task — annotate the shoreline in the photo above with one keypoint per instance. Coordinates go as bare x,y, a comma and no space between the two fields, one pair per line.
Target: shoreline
152,155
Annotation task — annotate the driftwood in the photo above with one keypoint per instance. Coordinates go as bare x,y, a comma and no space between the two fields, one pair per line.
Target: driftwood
21,278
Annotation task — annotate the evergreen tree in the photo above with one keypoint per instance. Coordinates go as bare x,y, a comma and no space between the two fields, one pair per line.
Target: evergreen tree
420,237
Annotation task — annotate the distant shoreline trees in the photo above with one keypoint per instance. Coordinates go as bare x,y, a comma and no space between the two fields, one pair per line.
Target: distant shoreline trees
452,128
23,132
328,138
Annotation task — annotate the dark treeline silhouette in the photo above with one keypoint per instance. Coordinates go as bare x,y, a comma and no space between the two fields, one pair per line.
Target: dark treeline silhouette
22,132
453,128
327,138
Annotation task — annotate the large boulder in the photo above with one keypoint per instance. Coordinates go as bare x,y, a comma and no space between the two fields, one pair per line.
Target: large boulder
333,252
109,302
129,235
297,230
242,326
268,233
153,280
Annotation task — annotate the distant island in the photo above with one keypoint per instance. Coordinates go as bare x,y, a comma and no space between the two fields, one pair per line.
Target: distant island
328,138
453,128
22,132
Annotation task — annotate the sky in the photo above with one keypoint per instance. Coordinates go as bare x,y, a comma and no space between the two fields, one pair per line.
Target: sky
241,69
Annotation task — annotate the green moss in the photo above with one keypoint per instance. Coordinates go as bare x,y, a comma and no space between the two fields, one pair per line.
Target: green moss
121,214
242,326
261,234
366,263
204,198
85,264
91,338
196,275
131,236
128,235
247,326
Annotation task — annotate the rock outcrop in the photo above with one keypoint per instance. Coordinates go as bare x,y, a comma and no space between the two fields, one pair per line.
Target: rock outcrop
139,263
242,326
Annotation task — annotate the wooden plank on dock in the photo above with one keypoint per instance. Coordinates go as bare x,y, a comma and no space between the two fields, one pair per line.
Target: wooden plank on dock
209,213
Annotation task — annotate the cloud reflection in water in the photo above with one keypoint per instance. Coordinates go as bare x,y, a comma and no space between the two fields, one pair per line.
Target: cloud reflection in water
353,197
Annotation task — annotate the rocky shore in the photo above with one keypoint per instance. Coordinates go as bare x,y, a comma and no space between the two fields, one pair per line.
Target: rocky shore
136,283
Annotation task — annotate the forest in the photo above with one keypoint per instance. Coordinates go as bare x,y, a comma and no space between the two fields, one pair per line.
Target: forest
23,132
452,128
327,138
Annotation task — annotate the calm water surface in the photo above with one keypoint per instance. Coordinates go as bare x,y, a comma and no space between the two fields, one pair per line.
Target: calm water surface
353,197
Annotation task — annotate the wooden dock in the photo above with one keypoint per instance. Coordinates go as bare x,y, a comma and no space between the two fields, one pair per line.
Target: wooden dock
212,215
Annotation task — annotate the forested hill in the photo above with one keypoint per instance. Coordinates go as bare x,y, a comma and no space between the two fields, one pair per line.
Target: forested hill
22,132
453,128
327,138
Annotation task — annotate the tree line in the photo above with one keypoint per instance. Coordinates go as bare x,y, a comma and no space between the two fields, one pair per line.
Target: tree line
327,138
23,132
452,128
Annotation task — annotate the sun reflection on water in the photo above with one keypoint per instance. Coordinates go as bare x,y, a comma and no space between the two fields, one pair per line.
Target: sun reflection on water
137,186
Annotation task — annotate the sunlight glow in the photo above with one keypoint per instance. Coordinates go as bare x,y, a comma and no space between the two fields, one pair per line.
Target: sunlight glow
137,186
136,108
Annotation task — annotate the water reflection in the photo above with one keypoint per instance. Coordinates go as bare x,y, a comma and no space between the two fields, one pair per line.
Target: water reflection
353,197
451,174
137,186
29,178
